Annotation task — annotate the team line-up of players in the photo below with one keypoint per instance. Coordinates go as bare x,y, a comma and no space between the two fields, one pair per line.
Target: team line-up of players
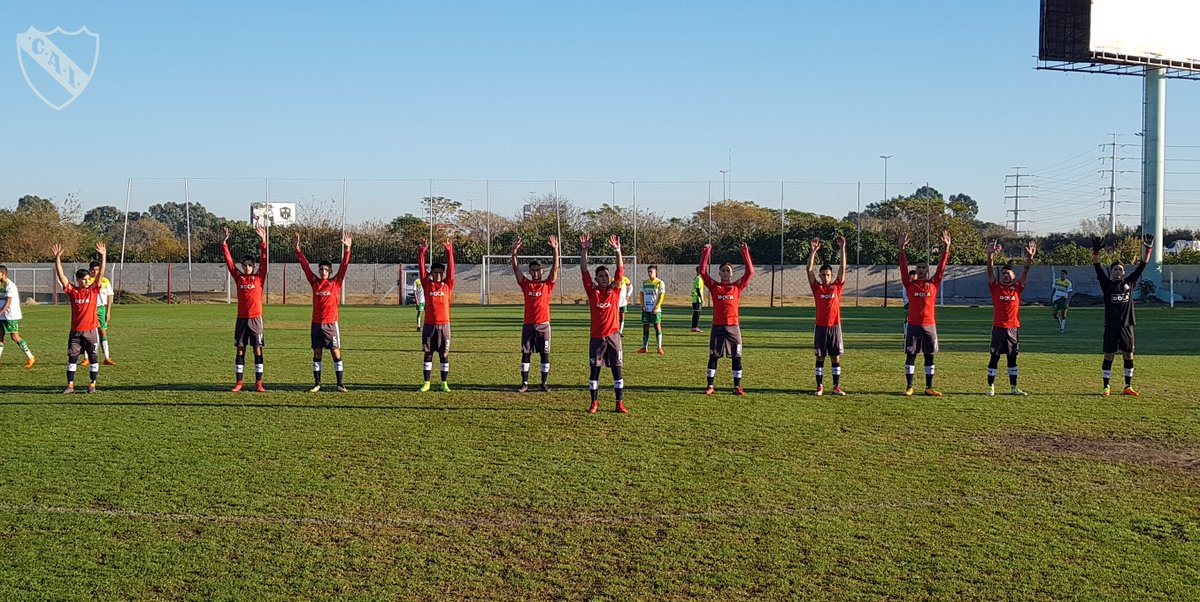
91,297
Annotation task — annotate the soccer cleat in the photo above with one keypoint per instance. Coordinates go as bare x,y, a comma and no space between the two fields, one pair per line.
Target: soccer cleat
108,362
708,390
642,350
30,362
341,389
445,386
740,392
258,386
1018,392
237,387
523,389
545,387
933,392
315,389
594,407
1130,392
838,391
69,390
661,352
695,330
84,361
91,388
820,391
991,391
620,409
424,387
908,391
1107,391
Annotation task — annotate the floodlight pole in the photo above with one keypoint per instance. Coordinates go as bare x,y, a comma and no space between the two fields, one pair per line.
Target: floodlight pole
187,213
1154,121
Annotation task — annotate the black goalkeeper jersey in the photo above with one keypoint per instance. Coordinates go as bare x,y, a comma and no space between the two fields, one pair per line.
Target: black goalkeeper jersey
1118,296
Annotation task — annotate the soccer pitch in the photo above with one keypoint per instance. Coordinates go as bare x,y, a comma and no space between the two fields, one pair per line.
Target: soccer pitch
165,485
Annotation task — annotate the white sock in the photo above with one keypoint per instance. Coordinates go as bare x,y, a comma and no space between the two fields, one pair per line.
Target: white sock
104,346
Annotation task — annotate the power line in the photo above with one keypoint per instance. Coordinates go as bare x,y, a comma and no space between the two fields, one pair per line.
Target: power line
1016,197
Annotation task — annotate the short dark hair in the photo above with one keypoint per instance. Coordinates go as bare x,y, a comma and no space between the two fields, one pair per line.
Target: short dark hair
727,265
81,273
437,267
4,268
1114,264
825,266
325,263
533,265
94,264
912,272
697,269
651,267
602,269
1007,266
249,258
1062,271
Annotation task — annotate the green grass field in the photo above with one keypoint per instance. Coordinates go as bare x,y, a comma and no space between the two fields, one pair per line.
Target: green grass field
166,486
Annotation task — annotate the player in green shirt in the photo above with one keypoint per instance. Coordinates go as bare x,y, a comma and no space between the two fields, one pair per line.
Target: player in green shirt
10,316
1062,299
653,293
697,300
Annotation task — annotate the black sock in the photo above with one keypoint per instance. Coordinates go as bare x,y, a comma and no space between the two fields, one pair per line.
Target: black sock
316,372
712,370
594,382
618,383
993,363
1012,370
820,371
338,370
1128,372
1106,371
525,368
737,371
910,367
445,367
928,370
836,369
71,363
239,364
258,367
428,366
545,368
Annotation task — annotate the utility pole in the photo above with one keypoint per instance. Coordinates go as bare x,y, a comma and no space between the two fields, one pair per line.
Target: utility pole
1016,187
1112,171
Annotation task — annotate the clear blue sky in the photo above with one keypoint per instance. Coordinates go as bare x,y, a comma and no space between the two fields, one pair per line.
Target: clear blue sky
800,91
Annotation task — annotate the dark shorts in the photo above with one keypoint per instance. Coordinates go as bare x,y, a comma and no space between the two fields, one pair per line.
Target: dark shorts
1060,303
827,341
725,341
248,332
435,338
83,341
1005,341
697,306
326,336
1118,338
535,338
920,339
605,351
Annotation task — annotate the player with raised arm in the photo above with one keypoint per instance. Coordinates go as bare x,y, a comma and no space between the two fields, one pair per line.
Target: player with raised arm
725,337
626,288
438,283
324,332
103,311
697,300
10,316
827,333
248,328
83,337
1118,310
653,293
1006,321
1061,299
604,348
920,334
535,331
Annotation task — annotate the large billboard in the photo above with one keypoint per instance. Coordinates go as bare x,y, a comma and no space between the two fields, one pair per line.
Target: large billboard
1157,33
272,214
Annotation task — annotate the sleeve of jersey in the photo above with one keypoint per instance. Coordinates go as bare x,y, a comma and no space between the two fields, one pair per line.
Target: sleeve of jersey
303,261
587,280
662,295
341,275
228,258
903,268
450,268
745,279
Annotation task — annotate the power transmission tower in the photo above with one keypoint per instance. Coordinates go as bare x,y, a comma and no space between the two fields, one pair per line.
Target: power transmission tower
1112,172
1016,196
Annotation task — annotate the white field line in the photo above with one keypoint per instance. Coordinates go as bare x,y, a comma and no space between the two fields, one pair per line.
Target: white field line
535,520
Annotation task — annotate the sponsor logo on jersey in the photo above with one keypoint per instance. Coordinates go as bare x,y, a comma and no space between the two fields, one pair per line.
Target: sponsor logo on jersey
323,293
827,296
1008,297
437,293
724,297
248,286
603,305
922,294
535,293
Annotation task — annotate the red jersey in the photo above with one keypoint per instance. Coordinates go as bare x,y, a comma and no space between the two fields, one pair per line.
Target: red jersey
602,302
83,306
726,296
537,300
828,299
922,294
437,294
1006,303
326,293
249,286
